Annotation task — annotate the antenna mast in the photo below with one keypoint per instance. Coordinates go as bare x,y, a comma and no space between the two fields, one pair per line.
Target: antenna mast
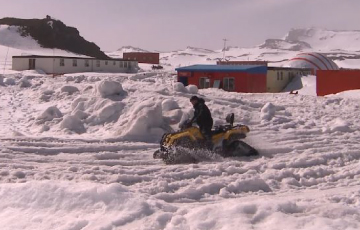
224,49
7,52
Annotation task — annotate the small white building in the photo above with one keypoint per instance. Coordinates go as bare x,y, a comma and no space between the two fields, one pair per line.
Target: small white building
63,65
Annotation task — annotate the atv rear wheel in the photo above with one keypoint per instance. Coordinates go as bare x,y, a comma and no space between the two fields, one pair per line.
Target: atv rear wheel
240,149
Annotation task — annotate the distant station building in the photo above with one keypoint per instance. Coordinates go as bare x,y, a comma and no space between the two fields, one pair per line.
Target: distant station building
63,65
143,57
277,78
240,76
234,78
330,79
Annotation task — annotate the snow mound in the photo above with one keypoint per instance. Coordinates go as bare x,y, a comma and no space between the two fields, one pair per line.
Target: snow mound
69,78
140,76
2,80
253,185
46,95
49,114
109,88
267,111
9,81
351,94
24,83
79,79
305,85
145,122
69,89
338,125
108,113
193,89
169,104
73,123
96,111
179,87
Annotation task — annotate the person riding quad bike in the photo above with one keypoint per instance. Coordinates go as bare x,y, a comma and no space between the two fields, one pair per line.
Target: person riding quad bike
202,117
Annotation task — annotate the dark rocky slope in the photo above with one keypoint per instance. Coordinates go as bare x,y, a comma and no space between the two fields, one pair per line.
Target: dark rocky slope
51,33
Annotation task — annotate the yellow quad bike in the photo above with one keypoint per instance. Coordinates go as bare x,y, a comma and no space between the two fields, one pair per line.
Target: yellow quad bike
226,140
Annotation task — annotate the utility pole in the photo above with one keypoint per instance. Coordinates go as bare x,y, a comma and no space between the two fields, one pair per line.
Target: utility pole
225,40
7,52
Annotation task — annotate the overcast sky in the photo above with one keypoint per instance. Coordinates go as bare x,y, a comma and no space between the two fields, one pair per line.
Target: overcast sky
166,25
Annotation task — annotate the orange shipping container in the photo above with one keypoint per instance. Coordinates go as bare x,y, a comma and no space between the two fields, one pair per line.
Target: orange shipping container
335,81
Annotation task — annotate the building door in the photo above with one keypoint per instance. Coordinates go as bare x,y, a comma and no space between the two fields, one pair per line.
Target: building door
32,63
184,80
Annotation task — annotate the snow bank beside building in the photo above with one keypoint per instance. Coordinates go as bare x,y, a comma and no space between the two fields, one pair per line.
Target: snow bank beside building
304,85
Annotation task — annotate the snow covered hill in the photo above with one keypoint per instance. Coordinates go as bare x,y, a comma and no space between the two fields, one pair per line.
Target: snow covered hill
328,40
276,51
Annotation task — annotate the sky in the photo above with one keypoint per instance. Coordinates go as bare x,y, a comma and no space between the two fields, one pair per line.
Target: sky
167,25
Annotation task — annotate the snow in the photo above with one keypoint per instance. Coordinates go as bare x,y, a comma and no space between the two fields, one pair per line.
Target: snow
109,88
169,104
88,159
73,123
193,89
49,114
305,85
351,94
9,81
69,89
82,159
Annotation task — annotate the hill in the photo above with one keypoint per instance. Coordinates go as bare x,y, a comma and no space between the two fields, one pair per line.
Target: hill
52,33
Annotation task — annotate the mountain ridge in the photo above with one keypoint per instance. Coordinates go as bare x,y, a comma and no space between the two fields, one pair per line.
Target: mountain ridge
52,33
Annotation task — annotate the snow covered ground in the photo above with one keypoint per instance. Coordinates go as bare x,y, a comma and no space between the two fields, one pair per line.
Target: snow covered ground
76,153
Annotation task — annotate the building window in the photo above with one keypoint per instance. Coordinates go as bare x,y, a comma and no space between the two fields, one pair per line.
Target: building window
125,64
281,76
114,62
121,64
204,83
229,84
62,62
87,64
278,76
97,63
74,62
106,62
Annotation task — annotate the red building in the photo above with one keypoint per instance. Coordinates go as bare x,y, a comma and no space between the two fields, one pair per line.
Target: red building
335,81
141,57
235,78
